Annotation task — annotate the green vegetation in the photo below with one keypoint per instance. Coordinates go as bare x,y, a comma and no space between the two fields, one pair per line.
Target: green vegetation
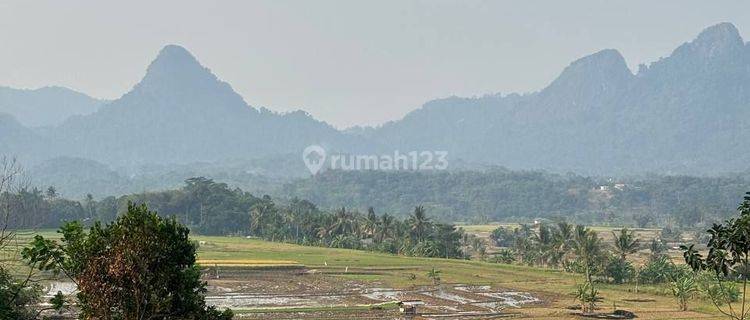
728,258
498,194
139,267
212,208
400,253
18,293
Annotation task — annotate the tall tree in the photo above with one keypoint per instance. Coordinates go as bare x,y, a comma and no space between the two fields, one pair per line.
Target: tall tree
588,249
385,227
139,267
728,252
626,243
419,222
371,222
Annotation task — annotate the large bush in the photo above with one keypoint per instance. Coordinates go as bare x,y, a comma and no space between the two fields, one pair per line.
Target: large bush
139,267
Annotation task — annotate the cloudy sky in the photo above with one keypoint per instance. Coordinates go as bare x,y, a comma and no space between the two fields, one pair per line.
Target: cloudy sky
346,62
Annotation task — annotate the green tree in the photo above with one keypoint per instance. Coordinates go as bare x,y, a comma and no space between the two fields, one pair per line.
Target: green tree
657,249
419,222
683,288
19,296
434,275
344,223
505,256
625,243
258,215
371,223
588,250
385,227
588,296
139,267
619,270
728,249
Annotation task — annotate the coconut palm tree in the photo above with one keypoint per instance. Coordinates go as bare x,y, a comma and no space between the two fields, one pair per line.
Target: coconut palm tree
257,214
385,227
625,243
371,223
543,242
419,223
344,222
588,250
562,238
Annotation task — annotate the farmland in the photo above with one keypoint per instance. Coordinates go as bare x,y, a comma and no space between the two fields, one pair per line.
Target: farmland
260,280
358,278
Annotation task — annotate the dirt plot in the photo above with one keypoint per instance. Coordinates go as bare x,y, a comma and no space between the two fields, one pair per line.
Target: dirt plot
268,293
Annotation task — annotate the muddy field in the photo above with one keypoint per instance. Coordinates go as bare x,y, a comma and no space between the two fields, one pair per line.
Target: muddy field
256,295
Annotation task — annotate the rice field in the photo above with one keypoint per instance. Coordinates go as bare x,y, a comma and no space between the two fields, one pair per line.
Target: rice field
262,280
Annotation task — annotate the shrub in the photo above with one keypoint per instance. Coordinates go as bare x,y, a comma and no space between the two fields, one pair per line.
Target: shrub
619,270
660,270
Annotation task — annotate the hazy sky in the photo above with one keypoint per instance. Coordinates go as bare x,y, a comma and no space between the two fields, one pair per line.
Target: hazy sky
345,62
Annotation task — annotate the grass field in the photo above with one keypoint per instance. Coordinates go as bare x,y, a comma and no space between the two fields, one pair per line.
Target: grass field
396,271
351,267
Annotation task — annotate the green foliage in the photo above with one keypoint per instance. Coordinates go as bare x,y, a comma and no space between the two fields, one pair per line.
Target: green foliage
657,249
660,270
504,195
503,237
17,298
683,288
620,270
728,252
434,275
506,256
117,266
587,296
625,243
719,291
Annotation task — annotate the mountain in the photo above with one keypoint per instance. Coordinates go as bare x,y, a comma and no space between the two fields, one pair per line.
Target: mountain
686,113
180,112
18,141
48,106
76,177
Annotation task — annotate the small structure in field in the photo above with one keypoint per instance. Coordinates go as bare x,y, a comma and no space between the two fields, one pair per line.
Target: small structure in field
409,307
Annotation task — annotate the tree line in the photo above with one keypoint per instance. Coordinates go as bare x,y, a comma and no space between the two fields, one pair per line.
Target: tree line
212,208
579,249
516,196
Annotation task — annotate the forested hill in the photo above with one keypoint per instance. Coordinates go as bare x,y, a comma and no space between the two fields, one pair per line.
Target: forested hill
212,207
502,195
687,113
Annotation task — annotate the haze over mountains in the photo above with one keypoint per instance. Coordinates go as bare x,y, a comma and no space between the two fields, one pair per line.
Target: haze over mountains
686,113
48,106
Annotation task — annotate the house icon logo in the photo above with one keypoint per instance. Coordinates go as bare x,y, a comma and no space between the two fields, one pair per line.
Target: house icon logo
314,157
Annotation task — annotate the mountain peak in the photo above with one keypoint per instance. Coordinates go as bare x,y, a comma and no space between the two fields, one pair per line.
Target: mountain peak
724,32
176,66
715,41
173,53
607,60
605,69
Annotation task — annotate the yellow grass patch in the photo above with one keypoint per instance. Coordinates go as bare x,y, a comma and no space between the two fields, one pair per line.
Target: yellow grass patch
247,262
